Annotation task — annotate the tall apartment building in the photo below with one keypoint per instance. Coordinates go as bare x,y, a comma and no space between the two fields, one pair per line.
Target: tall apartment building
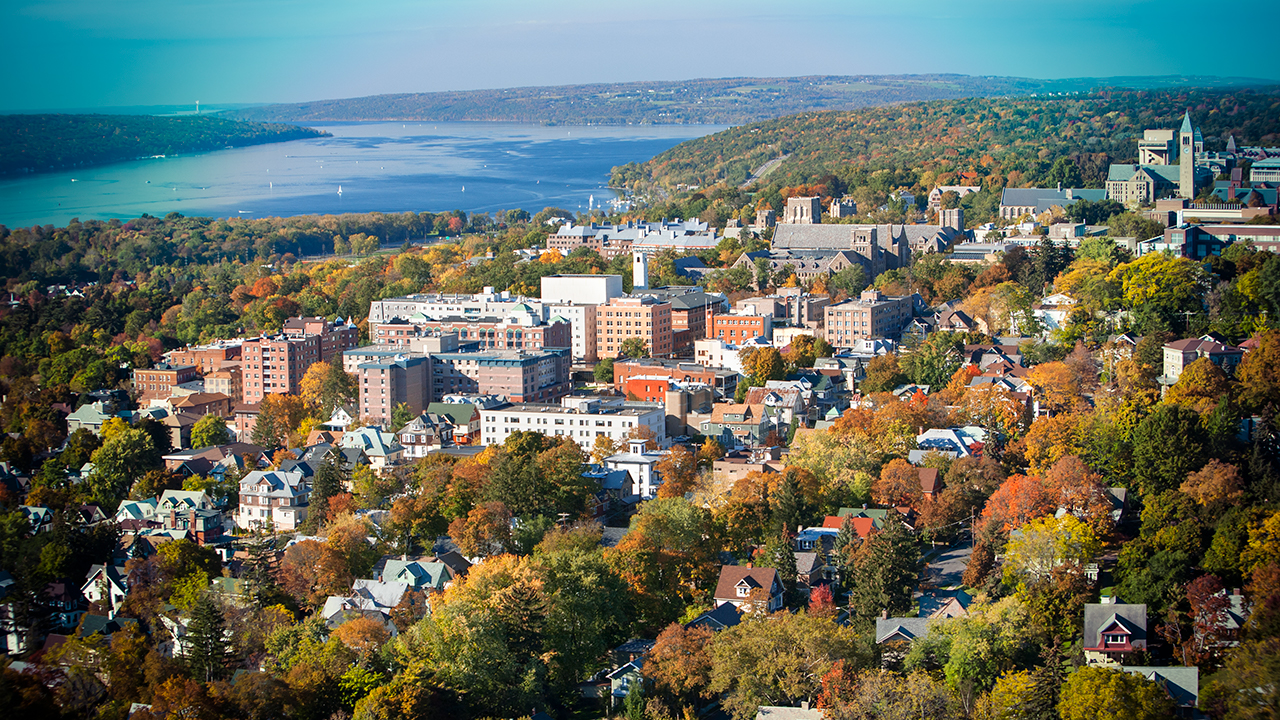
157,383
423,345
386,383
229,381
209,358
872,315
691,316
335,337
623,318
582,419
276,364
582,327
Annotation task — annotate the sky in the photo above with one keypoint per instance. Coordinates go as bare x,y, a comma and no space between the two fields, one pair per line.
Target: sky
105,53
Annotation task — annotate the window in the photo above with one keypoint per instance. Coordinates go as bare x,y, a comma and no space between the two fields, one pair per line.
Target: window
1114,639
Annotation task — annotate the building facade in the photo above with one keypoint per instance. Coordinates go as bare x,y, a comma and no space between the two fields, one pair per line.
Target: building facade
209,358
582,420
724,381
386,383
157,383
624,318
872,315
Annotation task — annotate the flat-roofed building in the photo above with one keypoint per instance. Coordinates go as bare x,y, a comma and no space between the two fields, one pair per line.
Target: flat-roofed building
872,315
518,375
157,383
722,380
209,358
645,317
581,419
335,336
581,289
388,382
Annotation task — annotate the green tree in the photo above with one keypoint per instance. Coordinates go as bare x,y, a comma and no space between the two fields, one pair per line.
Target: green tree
1093,693
604,371
118,463
401,415
933,361
208,431
633,347
205,649
882,374
1168,445
886,570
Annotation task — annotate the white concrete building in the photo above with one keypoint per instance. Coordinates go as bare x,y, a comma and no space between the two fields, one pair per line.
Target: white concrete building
583,419
582,320
581,289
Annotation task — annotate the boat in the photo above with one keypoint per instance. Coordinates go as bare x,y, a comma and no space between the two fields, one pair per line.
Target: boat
339,189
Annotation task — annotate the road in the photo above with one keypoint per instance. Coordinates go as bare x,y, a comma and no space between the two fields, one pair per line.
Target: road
763,170
946,569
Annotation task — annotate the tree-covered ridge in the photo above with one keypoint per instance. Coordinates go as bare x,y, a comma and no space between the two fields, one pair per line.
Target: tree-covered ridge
1002,141
39,143
707,101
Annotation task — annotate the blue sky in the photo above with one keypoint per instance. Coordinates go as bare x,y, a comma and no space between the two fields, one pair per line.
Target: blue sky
94,53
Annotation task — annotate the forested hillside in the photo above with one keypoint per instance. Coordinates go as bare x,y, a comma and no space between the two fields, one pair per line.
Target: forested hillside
723,101
40,143
1001,141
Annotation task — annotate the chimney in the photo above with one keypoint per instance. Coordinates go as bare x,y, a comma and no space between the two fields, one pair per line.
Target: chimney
884,614
804,704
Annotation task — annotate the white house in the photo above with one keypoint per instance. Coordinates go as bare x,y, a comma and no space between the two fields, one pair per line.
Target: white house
638,463
105,585
273,497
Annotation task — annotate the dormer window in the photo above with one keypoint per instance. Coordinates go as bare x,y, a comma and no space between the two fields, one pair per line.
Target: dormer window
742,591
1114,639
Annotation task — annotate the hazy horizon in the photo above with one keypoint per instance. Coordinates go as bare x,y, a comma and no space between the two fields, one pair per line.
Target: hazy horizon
149,52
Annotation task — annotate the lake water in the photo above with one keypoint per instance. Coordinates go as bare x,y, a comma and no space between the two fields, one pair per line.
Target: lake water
387,167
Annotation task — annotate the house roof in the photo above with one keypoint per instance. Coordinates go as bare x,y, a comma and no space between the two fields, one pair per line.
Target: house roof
808,562
731,576
930,480
1182,683
901,628
751,413
1132,617
724,616
1201,345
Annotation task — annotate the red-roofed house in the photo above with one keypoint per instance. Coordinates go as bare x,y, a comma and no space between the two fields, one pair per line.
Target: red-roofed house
1178,355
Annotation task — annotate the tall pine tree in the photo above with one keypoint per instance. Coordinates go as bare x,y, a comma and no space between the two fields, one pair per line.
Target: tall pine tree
886,570
261,570
205,645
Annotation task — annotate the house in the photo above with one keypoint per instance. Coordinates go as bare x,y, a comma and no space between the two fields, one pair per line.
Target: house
1181,353
428,431
896,634
381,447
943,604
274,499
742,586
1053,310
1182,684
811,571
638,463
1112,631
41,518
632,650
621,679
90,416
952,320
464,418
104,584
789,402
137,510
722,617
418,574
965,441
742,425
930,483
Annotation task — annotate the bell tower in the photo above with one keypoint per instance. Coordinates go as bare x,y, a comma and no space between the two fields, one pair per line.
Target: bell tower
1187,159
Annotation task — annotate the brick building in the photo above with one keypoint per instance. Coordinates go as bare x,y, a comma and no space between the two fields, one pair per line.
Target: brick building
725,382
644,317
386,383
736,328
209,358
335,337
691,315
519,375
276,364
157,383
522,330
872,315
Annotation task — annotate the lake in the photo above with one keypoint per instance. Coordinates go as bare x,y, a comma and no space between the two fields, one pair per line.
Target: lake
387,167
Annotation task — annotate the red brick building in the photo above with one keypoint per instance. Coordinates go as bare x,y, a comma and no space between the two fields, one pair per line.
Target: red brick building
335,337
157,382
207,358
737,328
724,381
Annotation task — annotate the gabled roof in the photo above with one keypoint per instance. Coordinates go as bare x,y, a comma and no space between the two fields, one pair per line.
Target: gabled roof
1182,683
1131,618
901,629
724,616
732,576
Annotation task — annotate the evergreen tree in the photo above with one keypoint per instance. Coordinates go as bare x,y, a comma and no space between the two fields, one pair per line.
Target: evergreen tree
266,433
779,555
261,570
844,547
1041,702
886,570
205,645
788,504
327,483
